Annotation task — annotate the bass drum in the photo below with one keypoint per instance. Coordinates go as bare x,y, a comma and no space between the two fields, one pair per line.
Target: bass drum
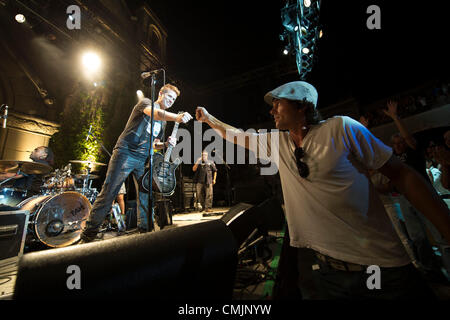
57,220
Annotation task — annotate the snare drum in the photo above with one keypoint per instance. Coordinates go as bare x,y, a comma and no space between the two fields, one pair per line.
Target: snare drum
12,196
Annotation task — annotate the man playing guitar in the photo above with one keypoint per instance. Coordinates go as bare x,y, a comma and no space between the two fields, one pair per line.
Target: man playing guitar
129,156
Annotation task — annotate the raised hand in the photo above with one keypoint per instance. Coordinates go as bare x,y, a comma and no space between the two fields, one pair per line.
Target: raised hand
201,114
392,109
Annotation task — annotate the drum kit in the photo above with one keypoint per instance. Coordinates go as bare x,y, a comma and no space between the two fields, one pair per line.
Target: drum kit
59,212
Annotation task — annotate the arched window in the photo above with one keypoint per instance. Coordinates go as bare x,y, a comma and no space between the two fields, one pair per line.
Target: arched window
154,39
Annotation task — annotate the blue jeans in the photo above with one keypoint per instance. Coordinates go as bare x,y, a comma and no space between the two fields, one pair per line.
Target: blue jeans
120,166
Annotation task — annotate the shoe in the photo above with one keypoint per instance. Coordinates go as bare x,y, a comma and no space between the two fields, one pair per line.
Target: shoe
82,241
86,239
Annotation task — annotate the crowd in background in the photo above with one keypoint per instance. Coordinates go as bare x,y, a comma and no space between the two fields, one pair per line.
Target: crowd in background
411,104
431,159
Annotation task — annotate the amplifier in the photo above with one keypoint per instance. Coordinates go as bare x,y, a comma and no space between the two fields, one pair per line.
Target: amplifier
13,226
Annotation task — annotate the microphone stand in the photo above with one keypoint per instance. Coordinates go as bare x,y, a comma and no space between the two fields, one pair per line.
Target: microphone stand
3,130
150,157
101,144
150,151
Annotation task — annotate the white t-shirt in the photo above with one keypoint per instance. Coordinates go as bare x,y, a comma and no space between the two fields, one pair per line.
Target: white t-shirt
336,210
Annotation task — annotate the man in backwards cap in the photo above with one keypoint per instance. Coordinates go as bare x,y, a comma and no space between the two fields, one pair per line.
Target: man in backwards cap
330,204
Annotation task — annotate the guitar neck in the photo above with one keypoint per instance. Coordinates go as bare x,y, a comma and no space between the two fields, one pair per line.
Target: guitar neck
170,147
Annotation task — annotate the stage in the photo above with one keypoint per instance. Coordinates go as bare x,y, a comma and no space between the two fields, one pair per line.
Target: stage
254,277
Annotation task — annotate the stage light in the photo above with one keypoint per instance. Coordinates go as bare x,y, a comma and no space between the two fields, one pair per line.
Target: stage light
20,18
140,94
300,20
285,52
91,62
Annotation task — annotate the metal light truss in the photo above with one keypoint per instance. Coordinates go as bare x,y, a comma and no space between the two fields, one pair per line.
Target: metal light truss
302,30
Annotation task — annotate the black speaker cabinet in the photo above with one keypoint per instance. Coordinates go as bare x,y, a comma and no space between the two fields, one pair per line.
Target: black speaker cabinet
186,263
243,219
13,226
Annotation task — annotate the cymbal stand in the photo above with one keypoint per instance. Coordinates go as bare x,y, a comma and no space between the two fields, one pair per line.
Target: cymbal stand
9,179
86,181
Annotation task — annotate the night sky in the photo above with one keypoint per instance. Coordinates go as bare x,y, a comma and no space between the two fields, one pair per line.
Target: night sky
211,40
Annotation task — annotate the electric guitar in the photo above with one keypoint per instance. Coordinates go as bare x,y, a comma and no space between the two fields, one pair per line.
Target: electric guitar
164,180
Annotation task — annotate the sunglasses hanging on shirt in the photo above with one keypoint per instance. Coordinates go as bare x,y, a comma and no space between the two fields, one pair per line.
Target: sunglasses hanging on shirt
302,167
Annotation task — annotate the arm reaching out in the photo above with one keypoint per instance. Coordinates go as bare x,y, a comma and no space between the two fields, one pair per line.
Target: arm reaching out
226,131
163,115
420,193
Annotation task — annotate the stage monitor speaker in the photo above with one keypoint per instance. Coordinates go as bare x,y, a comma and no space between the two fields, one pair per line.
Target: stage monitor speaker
186,263
13,226
243,219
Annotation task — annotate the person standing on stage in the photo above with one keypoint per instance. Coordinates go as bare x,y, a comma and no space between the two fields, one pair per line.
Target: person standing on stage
205,178
129,157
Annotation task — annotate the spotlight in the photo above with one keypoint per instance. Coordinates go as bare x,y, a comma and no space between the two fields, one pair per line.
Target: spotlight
140,94
296,28
305,50
307,3
320,34
20,18
91,61
285,52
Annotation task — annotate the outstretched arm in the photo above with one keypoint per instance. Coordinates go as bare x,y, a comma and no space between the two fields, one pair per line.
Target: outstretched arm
420,193
8,175
226,131
162,115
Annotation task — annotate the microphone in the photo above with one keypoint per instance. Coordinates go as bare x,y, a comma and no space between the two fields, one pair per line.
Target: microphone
5,116
89,133
145,75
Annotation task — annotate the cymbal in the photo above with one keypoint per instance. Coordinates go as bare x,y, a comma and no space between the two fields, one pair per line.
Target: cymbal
8,166
88,162
27,167
84,176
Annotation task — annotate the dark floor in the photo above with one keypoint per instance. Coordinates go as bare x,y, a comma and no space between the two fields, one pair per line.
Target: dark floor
255,274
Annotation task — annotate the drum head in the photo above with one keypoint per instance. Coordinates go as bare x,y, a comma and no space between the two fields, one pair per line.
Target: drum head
61,218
